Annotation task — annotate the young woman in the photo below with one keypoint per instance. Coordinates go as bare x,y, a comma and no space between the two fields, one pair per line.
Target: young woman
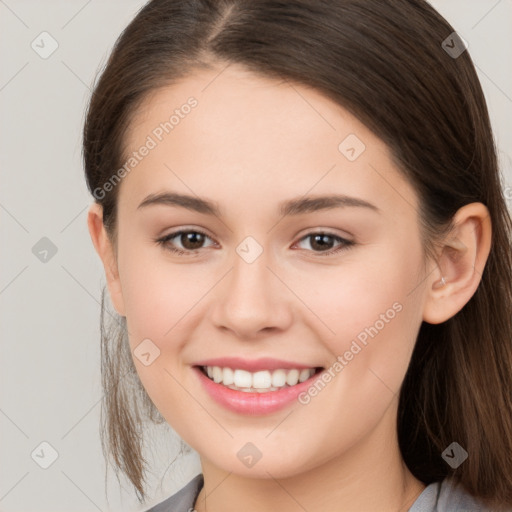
299,212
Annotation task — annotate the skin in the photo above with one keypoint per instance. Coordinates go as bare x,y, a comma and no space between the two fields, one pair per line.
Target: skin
251,143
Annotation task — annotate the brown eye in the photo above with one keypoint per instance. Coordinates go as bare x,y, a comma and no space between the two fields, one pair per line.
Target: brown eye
321,242
189,240
192,240
324,243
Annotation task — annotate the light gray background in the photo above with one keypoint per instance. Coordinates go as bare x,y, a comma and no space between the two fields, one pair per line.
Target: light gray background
50,378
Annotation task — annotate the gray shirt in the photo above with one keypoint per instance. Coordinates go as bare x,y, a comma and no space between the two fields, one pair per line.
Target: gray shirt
437,497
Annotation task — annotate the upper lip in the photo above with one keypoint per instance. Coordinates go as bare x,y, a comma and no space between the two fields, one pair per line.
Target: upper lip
253,365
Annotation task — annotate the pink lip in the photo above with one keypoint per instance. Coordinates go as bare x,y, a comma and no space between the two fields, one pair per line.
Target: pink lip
255,365
254,404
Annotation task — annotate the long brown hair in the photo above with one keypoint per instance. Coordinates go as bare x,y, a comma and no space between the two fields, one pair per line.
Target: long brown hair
384,62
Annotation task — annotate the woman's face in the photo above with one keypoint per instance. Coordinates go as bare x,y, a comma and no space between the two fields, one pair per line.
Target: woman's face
276,280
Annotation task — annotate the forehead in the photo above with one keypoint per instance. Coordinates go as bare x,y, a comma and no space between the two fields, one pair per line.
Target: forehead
251,108
225,131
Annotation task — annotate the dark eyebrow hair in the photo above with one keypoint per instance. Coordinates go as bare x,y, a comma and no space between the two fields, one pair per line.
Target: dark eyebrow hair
290,207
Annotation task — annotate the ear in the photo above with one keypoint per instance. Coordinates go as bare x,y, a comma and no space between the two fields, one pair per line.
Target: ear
106,252
461,261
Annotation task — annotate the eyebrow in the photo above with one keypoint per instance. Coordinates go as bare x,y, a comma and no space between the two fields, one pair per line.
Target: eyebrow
286,208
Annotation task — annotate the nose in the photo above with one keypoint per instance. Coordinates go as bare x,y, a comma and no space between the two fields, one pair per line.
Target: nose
252,300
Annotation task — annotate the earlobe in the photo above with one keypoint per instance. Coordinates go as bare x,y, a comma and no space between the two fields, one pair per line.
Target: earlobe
460,264
105,250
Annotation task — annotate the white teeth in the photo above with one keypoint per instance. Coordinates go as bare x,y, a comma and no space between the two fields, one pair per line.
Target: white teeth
304,375
261,381
227,376
278,378
242,379
217,374
292,378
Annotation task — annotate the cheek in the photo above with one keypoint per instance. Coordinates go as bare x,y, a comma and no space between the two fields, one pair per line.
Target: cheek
162,302
360,287
371,310
158,293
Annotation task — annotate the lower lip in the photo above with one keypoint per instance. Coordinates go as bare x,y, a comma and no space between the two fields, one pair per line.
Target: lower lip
254,404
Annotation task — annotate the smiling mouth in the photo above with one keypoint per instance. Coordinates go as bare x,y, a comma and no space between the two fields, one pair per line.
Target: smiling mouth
258,382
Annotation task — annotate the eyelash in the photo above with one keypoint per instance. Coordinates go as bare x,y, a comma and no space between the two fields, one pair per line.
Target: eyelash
164,242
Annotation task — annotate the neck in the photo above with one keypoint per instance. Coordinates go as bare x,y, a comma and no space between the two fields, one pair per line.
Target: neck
370,476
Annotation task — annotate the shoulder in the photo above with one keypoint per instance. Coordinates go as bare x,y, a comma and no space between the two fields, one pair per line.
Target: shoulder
183,500
447,496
